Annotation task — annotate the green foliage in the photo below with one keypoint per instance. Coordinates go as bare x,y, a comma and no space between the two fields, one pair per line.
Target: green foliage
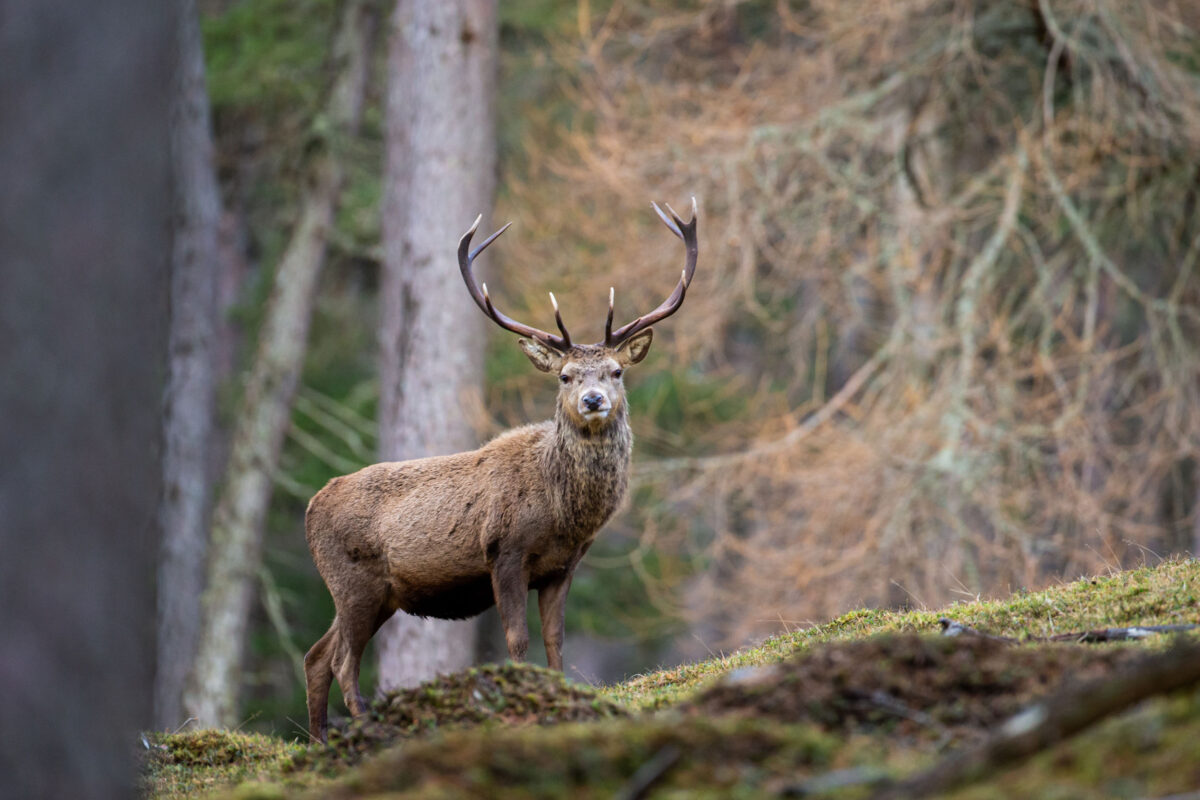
537,18
665,393
269,54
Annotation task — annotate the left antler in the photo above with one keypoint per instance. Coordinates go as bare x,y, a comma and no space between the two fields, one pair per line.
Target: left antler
466,258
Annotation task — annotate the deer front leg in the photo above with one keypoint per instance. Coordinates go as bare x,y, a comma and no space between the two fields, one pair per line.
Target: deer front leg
552,604
510,584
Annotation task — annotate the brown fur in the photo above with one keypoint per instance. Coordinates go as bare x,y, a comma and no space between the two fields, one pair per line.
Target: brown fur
449,536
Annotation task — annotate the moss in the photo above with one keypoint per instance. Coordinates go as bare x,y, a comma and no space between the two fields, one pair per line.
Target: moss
492,695
1165,594
920,687
817,705
197,762
705,757
1152,752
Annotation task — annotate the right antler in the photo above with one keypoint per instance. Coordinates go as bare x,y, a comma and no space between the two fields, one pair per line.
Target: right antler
685,231
466,257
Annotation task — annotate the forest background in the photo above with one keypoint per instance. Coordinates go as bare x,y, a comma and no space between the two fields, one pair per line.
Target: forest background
942,342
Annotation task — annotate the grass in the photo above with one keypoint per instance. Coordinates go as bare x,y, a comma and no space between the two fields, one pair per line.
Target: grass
1162,595
866,693
195,763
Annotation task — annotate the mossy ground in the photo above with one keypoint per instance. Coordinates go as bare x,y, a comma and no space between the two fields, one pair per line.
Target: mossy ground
194,763
871,691
917,687
508,695
1165,594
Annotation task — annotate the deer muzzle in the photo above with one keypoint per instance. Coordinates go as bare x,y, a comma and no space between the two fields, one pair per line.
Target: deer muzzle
594,403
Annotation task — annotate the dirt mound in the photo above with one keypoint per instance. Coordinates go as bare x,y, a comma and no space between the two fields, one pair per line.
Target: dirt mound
209,748
913,685
509,694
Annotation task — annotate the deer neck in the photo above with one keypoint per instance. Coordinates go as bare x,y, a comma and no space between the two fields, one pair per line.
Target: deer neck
588,471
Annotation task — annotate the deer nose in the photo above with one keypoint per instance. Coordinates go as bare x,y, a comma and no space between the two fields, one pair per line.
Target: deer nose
593,401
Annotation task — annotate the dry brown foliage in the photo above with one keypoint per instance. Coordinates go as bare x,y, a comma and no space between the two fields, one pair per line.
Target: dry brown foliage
948,265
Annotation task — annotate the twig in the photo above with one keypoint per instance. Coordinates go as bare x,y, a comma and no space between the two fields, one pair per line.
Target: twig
1133,632
273,603
650,773
322,451
952,628
184,724
821,416
893,705
835,780
1120,634
347,434
1097,255
1054,719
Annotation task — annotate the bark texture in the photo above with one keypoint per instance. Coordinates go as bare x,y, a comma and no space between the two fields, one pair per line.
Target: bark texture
84,254
440,173
190,401
266,406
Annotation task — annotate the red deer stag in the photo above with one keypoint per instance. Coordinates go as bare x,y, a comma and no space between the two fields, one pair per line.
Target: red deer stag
449,536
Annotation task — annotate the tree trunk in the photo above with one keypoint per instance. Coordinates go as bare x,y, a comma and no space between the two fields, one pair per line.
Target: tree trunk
440,173
84,257
266,406
190,400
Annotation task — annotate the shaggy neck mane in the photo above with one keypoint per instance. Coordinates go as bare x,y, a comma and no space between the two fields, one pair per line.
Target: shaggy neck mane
589,469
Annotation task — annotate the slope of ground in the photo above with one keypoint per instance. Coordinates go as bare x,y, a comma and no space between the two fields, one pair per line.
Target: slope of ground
822,711
919,687
1168,593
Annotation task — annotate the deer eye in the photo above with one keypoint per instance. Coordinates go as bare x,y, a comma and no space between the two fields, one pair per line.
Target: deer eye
565,378
616,374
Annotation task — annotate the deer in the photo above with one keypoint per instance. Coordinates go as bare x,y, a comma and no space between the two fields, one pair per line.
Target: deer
449,536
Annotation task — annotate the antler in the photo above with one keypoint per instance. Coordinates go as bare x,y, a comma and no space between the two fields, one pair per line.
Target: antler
685,231
466,257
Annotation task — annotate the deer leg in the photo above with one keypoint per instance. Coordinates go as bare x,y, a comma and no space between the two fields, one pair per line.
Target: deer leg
357,628
552,604
510,583
318,675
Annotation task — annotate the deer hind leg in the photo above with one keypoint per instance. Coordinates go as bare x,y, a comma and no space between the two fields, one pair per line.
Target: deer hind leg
318,675
356,630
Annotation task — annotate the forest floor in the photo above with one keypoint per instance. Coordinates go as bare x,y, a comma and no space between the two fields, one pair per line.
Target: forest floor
842,710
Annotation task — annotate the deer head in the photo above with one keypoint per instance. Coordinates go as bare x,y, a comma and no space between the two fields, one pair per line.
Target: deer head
591,392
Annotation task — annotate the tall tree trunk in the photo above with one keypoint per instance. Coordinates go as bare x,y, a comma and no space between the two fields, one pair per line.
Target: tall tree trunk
84,254
440,173
190,401
266,406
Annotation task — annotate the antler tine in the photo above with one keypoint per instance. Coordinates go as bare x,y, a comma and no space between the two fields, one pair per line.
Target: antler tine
466,258
558,319
608,322
671,222
483,245
685,231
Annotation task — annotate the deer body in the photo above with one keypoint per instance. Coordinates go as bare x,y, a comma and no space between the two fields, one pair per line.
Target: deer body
450,536
540,490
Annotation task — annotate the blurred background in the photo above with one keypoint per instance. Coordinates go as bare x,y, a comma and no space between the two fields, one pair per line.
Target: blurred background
943,341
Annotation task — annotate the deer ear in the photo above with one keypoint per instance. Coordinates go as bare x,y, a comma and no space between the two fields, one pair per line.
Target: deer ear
543,357
634,350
